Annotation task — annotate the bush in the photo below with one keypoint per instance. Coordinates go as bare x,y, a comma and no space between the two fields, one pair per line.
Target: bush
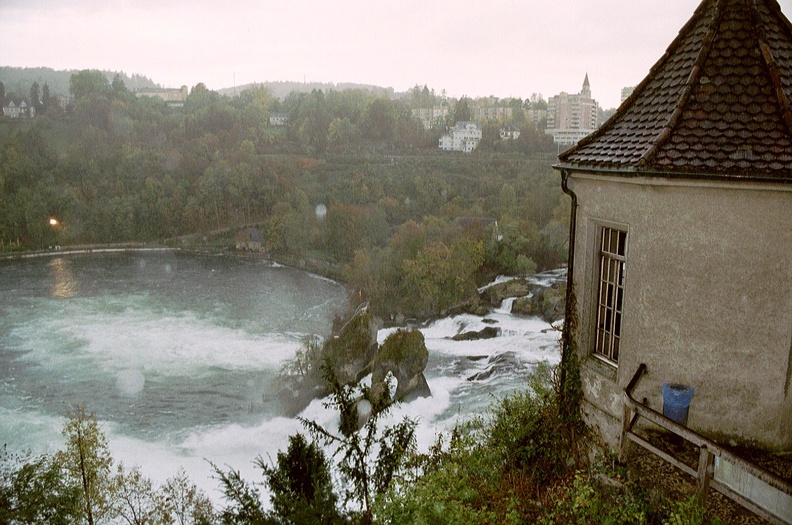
590,502
300,484
492,469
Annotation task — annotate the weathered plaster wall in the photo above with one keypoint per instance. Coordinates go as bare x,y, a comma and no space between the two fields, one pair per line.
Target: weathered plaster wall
708,300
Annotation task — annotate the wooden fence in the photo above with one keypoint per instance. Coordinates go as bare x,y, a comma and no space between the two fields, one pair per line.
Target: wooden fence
756,489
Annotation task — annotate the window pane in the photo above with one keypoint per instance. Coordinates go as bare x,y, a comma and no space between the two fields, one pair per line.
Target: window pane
610,294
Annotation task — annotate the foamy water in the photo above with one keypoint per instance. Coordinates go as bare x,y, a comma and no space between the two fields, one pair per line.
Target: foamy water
177,356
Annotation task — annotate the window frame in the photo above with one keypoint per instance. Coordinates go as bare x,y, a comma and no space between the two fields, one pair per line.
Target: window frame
608,304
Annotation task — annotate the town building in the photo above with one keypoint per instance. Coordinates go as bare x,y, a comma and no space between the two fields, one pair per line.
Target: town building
572,117
681,250
249,239
626,92
63,102
494,113
172,97
509,132
536,116
278,119
21,110
431,117
465,136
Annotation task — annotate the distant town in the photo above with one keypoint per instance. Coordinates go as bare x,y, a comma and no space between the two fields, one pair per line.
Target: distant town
567,117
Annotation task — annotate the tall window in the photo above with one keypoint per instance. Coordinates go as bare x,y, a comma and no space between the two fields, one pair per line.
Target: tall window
610,296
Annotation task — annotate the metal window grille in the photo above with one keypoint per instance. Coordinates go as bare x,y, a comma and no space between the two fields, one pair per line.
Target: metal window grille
610,296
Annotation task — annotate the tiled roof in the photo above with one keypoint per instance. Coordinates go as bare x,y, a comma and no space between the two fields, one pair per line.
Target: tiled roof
716,104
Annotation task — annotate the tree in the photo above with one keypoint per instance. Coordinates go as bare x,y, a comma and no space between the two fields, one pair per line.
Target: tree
134,498
182,503
379,119
2,93
442,276
35,96
87,83
341,132
301,485
366,476
118,85
462,111
35,490
537,102
244,506
87,462
46,98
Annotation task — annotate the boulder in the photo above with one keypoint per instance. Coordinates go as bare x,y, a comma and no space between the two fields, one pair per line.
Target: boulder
351,351
404,355
488,332
547,303
495,294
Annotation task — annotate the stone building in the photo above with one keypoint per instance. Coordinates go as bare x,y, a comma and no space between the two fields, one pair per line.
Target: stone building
681,241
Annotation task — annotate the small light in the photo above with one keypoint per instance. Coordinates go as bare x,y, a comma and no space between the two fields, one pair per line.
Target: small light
53,222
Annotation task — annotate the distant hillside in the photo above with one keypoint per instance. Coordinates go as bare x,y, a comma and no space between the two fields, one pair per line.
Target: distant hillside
17,80
282,89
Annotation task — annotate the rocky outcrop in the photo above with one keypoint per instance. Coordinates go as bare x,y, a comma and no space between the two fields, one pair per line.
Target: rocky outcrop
404,355
350,352
495,294
547,303
488,332
531,299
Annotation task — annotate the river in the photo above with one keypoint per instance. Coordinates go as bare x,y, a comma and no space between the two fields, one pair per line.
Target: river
176,354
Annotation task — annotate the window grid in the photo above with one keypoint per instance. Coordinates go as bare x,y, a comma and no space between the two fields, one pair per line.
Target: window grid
610,296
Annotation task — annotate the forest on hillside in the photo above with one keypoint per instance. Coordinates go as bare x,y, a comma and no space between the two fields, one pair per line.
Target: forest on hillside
400,216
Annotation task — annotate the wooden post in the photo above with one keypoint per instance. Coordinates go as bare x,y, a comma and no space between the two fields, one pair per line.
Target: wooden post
705,472
629,417
626,424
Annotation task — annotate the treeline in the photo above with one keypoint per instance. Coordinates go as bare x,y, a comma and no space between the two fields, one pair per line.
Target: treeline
120,168
17,80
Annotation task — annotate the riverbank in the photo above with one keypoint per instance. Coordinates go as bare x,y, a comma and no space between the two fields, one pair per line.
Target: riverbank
314,266
85,248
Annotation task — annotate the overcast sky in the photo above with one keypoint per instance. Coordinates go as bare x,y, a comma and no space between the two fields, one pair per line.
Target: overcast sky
497,47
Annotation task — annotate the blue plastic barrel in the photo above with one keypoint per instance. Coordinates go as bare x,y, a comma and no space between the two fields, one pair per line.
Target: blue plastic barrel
676,401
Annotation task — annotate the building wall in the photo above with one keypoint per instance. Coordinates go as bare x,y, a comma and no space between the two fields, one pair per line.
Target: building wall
465,136
707,301
175,97
571,117
430,117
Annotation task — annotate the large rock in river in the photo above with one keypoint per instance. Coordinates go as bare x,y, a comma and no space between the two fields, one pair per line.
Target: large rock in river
547,303
351,351
495,294
403,354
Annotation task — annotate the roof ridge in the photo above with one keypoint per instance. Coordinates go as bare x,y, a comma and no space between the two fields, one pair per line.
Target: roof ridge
690,84
772,66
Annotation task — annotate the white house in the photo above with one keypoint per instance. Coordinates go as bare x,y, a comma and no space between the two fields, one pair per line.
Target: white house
509,132
20,111
278,119
465,137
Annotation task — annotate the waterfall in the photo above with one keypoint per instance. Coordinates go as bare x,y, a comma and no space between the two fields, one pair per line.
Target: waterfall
506,306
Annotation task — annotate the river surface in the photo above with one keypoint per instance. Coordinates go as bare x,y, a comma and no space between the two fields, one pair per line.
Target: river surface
177,355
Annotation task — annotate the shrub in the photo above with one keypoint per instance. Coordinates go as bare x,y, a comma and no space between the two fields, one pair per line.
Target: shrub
492,469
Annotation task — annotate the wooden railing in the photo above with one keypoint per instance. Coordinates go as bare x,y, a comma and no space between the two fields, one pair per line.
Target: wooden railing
708,451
